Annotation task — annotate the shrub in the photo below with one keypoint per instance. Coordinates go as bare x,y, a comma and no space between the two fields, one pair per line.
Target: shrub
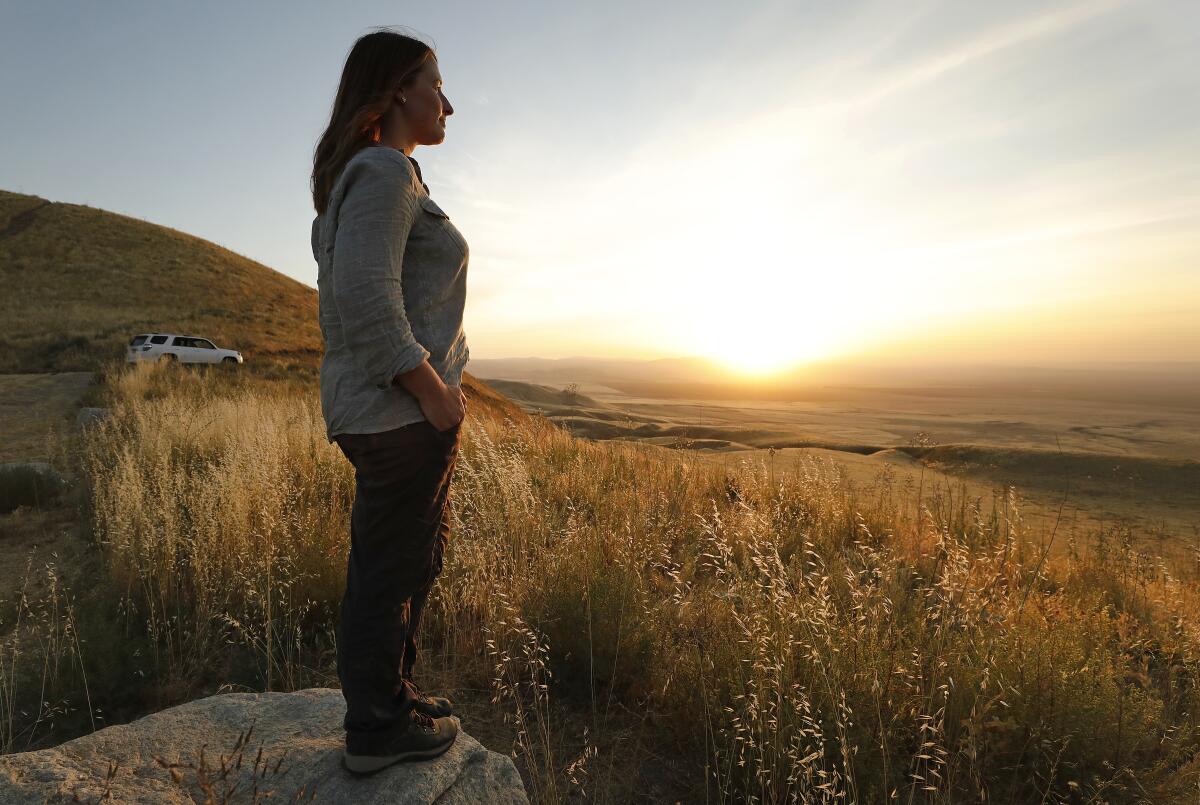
35,485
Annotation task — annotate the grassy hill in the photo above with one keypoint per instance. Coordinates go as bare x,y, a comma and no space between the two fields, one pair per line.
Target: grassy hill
79,282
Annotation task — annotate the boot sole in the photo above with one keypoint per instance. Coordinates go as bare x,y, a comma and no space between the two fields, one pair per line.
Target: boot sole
362,765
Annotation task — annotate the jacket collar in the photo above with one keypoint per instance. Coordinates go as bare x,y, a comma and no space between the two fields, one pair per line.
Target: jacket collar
420,179
415,164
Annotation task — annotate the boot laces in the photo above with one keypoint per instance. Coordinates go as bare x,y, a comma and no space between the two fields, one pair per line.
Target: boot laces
417,692
423,721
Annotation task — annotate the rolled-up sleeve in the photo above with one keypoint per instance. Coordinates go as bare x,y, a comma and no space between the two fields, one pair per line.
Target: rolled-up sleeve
373,223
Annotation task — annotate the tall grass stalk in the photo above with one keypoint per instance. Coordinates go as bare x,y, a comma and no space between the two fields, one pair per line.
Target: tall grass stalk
43,678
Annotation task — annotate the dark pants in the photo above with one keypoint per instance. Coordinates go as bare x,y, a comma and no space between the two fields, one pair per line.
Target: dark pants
399,525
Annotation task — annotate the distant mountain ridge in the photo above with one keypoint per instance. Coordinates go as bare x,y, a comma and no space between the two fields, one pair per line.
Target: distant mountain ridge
1171,383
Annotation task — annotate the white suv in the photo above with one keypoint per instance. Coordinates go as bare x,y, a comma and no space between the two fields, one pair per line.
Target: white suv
182,348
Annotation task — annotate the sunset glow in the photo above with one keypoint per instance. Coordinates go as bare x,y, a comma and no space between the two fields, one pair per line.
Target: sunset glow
870,202
796,183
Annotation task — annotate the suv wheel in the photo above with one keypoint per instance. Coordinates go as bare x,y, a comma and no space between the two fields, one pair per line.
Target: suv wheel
169,357
229,360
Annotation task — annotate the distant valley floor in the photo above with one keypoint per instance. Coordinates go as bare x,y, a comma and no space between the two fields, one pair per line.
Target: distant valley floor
1098,463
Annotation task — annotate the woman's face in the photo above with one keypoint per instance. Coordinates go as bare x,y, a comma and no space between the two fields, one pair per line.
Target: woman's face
426,107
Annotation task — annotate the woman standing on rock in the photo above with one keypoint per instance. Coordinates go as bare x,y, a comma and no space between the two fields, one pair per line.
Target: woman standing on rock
392,273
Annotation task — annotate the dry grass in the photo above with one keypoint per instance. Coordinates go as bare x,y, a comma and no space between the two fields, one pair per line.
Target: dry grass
755,634
42,674
219,512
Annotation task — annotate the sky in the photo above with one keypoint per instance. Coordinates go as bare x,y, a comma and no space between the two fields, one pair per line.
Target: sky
760,183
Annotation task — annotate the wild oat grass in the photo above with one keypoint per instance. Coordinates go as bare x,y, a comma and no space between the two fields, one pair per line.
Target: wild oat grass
784,638
42,675
220,516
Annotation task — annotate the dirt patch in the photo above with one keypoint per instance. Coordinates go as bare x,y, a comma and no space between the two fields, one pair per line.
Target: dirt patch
22,221
894,456
32,539
34,407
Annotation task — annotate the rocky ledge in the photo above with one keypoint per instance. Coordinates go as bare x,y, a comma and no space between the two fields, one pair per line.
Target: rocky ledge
242,747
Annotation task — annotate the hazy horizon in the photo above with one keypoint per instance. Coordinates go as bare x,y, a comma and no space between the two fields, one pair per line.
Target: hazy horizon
767,187
1146,378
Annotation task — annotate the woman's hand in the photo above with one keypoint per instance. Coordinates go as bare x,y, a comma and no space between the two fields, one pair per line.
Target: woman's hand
443,405
445,408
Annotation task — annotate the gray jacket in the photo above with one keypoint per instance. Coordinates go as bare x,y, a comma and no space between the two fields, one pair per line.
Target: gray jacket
391,285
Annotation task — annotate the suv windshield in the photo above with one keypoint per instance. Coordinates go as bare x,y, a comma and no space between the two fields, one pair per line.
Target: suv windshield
138,340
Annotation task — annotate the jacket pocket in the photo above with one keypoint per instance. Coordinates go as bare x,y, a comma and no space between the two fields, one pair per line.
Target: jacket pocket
440,220
430,206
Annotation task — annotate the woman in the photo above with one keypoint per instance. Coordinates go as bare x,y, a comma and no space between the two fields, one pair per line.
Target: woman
392,273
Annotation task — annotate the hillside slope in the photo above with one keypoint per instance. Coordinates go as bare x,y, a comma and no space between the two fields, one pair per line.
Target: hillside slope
79,282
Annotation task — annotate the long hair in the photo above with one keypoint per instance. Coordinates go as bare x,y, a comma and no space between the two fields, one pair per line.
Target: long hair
379,63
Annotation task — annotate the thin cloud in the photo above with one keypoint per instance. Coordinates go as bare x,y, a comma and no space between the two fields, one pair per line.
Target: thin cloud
989,44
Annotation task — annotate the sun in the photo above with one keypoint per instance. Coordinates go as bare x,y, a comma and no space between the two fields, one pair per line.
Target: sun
782,316
775,276
760,369
769,352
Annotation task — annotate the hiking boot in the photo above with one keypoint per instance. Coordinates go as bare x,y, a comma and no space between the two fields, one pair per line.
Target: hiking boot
432,706
423,739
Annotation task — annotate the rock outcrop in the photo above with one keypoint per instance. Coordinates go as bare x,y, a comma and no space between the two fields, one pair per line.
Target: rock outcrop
229,747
